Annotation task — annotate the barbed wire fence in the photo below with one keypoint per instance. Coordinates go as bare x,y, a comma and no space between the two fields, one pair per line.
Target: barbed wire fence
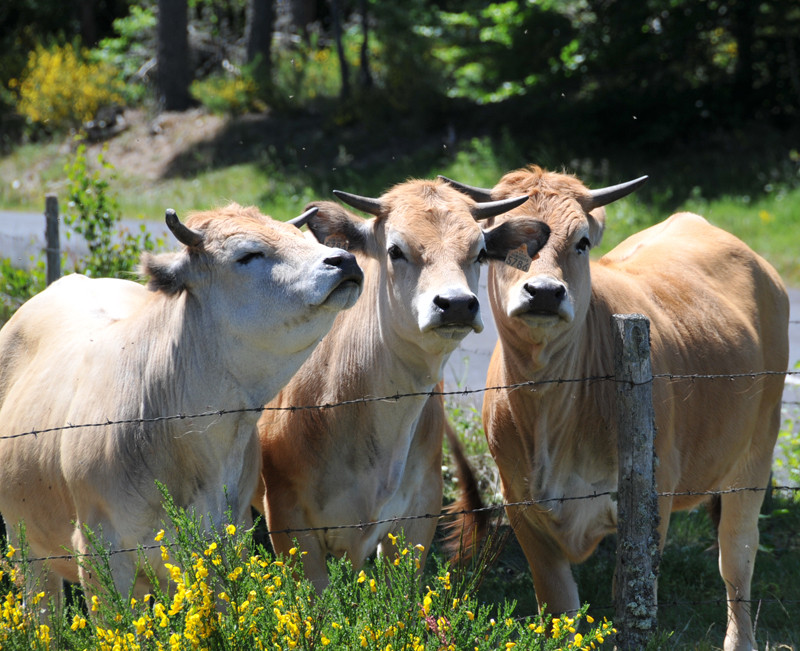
644,379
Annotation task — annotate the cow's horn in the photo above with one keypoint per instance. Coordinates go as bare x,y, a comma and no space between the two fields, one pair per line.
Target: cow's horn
491,208
303,219
605,196
367,204
479,194
184,234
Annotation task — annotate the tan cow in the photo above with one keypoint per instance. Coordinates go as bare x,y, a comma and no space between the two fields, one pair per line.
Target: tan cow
223,324
715,307
374,460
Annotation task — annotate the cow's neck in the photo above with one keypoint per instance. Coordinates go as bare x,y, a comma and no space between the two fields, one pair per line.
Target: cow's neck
211,374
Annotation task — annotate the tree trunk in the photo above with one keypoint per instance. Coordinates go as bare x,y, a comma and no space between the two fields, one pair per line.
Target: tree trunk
337,32
364,74
173,55
260,24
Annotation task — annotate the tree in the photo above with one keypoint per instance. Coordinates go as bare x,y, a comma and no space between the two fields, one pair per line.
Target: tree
173,55
258,37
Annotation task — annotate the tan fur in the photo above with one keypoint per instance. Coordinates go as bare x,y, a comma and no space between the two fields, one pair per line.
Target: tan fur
373,460
97,350
715,307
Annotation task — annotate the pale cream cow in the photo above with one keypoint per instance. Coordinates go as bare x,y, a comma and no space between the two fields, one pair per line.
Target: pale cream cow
222,325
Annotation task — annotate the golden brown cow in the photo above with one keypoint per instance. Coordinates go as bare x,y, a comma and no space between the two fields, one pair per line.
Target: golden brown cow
715,307
375,460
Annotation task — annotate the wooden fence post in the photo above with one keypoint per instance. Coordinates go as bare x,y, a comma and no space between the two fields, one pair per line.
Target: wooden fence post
637,505
52,244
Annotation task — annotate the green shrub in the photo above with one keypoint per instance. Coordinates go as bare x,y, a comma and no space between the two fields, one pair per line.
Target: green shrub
131,52
60,89
232,93
224,592
18,285
93,213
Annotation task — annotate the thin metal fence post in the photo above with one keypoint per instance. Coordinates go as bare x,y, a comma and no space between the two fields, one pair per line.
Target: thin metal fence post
637,505
52,244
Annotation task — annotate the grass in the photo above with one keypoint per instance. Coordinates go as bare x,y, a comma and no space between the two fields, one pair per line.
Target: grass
281,165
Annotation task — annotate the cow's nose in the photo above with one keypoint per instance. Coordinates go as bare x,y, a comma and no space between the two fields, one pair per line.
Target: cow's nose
545,296
347,262
457,308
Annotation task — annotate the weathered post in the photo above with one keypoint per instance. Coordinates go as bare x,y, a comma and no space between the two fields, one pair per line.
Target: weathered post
52,244
637,505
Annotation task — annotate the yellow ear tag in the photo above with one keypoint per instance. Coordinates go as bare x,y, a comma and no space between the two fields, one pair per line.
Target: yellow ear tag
519,258
337,241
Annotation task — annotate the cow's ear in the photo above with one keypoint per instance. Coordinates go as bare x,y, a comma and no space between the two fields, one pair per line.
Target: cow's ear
513,234
166,272
597,224
335,226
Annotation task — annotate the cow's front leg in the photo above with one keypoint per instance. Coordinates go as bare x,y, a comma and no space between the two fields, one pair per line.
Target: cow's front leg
556,589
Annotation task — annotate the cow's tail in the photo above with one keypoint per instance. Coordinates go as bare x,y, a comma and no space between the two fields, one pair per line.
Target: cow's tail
471,519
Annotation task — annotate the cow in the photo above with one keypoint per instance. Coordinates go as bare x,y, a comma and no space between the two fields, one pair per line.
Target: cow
373,460
715,307
116,378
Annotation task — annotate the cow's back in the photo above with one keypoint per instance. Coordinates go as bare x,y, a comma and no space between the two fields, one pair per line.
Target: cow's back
716,308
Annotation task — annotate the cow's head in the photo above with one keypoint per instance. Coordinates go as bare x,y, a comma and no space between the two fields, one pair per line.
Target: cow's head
428,245
260,282
554,291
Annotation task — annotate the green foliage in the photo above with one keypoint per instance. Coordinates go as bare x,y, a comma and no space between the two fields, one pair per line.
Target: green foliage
60,88
224,592
18,285
130,51
495,51
93,213
232,93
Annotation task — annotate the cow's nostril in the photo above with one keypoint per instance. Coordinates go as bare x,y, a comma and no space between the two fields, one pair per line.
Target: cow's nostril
560,292
473,305
441,302
334,260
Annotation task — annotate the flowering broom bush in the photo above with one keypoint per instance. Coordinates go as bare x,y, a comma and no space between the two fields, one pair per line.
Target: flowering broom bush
227,593
60,88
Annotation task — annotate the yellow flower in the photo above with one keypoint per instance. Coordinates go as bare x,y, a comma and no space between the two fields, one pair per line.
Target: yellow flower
10,551
361,577
78,622
393,539
292,551
159,535
230,529
372,587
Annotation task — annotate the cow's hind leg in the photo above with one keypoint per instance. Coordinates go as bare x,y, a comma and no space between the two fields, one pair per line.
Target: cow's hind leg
738,543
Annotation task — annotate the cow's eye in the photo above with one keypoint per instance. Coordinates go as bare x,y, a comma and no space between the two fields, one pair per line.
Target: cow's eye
583,246
247,258
482,256
396,253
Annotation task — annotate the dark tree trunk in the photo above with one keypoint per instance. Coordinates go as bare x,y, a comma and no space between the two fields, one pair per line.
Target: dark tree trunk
173,55
260,24
364,74
337,33
744,19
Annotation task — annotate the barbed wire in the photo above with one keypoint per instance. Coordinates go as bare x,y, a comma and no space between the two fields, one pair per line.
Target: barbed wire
437,516
393,398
